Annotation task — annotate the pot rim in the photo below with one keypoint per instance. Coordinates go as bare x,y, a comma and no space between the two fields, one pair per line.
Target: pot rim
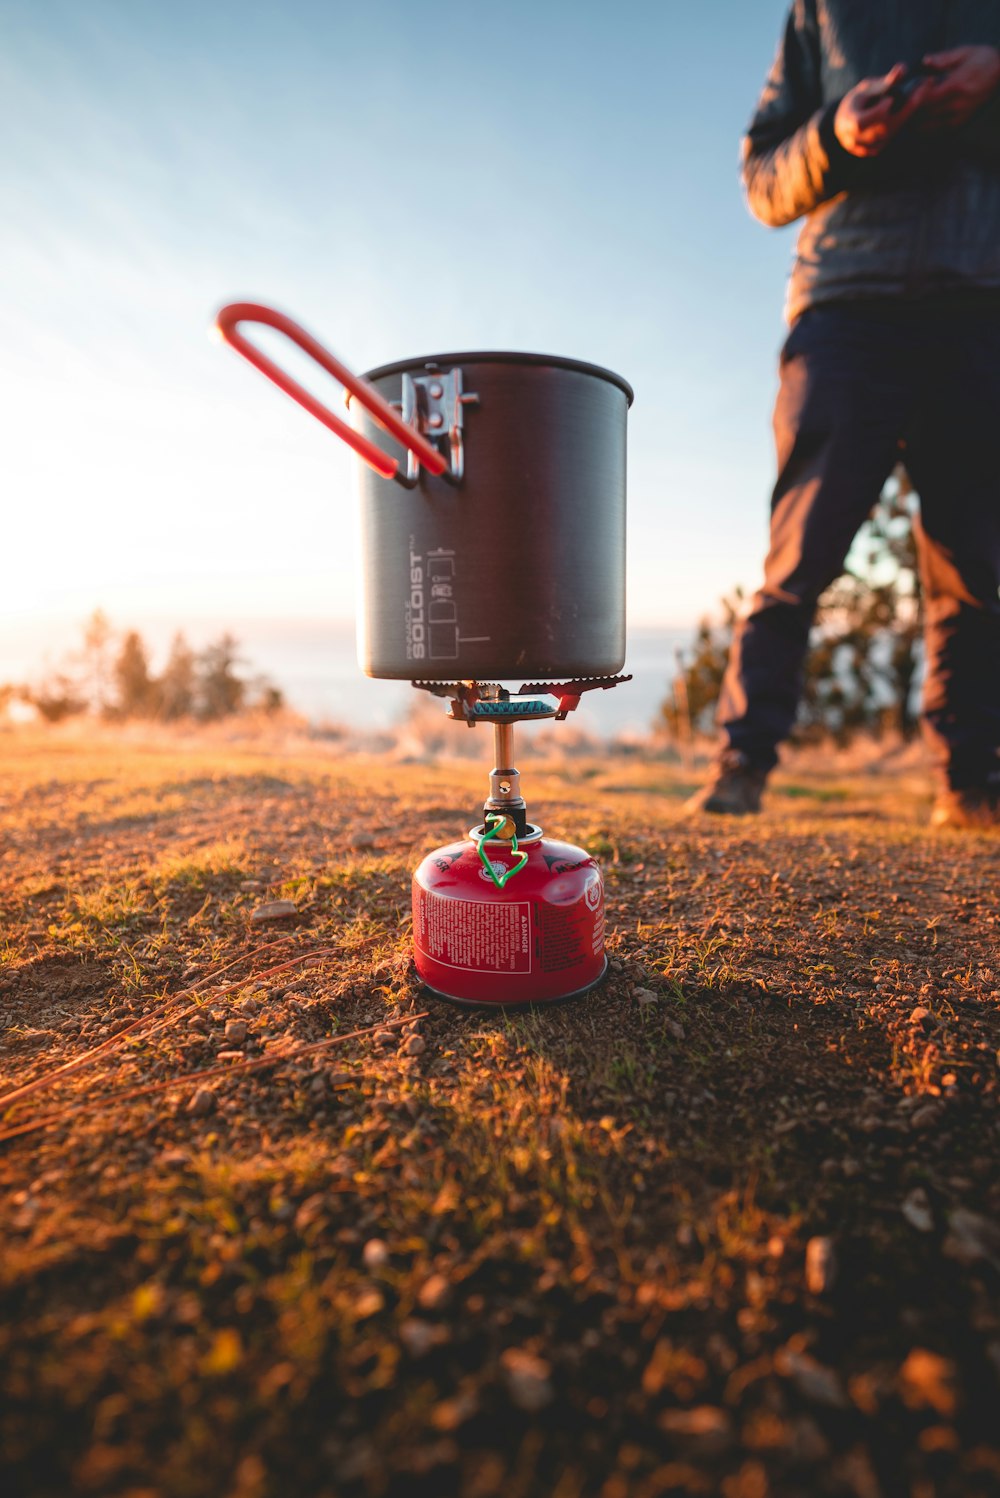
493,356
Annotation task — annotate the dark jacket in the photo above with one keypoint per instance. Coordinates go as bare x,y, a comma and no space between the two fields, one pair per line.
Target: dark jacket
921,219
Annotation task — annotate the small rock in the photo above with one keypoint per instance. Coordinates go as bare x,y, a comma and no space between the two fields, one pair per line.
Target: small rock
23,1220
358,1462
674,1028
644,996
247,886
201,1102
174,1159
917,1211
317,1086
925,1379
817,1384
375,1254
419,1337
451,1413
434,1293
274,910
808,1444
361,840
821,1265
527,1378
311,1210
236,1031
368,1303
703,1419
926,1117
413,1045
919,1015
972,1239
705,1424
199,1023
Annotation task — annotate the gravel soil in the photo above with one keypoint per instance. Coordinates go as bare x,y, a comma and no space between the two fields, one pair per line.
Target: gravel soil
729,1225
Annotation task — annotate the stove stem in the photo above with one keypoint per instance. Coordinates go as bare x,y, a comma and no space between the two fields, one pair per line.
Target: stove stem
505,783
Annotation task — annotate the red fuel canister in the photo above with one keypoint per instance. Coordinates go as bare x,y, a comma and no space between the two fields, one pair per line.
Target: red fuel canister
537,939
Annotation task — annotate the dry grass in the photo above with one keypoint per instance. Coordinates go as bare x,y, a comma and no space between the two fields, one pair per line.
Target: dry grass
561,1253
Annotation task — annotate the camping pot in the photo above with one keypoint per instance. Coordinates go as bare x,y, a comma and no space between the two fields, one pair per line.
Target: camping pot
492,498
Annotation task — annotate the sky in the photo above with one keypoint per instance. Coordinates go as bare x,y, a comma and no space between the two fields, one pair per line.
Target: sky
559,176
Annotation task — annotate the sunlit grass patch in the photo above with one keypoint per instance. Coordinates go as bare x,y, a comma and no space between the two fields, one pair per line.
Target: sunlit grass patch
110,912
10,953
598,844
115,905
228,858
361,873
812,792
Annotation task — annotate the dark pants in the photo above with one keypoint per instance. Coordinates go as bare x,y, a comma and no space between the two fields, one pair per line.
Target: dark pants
860,389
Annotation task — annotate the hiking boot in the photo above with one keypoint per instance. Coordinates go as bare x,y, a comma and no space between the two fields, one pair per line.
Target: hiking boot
734,789
971,807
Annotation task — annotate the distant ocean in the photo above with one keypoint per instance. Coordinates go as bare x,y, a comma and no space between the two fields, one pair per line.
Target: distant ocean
315,665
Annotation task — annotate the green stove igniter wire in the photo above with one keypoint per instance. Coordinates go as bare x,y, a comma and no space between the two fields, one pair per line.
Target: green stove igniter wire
491,835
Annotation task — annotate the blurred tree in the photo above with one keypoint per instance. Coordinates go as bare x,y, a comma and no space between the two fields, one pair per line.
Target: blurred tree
177,688
866,642
866,646
206,684
136,692
57,697
694,691
98,638
221,690
264,696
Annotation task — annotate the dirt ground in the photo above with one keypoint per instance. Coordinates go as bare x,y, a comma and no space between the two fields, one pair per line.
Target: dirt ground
728,1225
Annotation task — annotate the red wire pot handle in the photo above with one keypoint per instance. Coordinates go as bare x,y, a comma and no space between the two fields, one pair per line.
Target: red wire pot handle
379,409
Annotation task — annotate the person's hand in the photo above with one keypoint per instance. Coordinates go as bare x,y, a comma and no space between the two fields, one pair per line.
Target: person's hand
961,80
870,115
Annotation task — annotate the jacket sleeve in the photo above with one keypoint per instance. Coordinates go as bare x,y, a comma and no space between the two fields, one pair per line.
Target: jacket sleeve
792,159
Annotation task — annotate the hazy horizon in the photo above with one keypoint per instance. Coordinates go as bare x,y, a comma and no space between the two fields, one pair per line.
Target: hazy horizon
315,665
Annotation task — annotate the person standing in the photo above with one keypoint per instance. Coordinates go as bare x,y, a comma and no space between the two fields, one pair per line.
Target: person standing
879,128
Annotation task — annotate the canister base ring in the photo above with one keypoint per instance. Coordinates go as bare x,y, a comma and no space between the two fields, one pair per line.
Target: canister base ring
482,1004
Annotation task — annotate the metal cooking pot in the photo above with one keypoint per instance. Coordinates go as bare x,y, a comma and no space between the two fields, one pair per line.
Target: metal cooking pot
492,520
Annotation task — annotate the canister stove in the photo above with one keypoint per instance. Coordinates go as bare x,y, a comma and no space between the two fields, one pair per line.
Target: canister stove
506,916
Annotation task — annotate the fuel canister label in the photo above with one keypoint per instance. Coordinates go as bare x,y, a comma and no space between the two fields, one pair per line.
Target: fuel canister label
571,934
492,936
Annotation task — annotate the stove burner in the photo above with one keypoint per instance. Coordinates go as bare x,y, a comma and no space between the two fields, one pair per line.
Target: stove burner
488,702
